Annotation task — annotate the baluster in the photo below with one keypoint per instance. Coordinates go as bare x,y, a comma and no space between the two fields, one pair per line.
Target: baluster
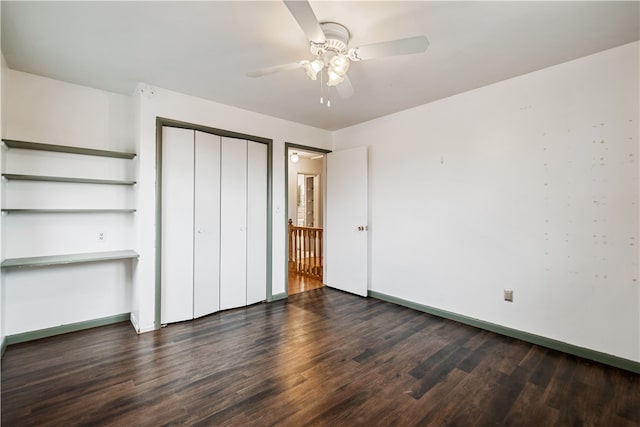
312,251
301,268
320,273
298,235
291,243
312,243
315,252
309,250
304,250
305,260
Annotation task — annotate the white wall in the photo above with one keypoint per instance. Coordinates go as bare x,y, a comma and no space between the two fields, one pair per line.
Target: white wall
157,102
529,184
49,111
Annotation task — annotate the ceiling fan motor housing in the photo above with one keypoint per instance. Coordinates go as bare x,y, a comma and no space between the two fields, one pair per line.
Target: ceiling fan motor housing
337,39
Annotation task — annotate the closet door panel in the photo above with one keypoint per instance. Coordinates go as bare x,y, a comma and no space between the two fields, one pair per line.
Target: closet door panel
233,218
256,222
177,225
206,265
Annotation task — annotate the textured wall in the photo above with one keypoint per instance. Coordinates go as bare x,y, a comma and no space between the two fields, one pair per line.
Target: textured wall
529,184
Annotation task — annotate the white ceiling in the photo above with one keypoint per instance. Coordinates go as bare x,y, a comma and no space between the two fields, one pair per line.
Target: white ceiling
206,48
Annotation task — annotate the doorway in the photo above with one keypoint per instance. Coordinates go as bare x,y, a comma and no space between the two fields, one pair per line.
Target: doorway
305,169
308,200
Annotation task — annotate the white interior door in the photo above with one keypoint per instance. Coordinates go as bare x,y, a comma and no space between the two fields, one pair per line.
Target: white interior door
346,222
177,225
256,222
206,237
233,220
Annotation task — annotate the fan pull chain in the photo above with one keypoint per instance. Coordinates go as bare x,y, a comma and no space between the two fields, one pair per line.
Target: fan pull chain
328,97
322,89
321,98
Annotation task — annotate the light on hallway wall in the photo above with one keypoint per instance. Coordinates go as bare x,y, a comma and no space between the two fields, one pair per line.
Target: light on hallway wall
294,157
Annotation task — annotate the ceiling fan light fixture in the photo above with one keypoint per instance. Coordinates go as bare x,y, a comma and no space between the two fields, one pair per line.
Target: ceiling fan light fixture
312,68
334,78
340,64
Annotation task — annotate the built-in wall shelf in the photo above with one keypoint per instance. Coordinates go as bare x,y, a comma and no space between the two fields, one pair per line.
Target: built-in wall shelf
41,261
9,210
11,143
18,177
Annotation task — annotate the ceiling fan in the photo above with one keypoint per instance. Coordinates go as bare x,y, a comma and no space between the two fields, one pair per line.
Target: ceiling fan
329,46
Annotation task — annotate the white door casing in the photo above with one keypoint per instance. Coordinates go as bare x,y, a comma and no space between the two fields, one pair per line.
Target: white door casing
346,223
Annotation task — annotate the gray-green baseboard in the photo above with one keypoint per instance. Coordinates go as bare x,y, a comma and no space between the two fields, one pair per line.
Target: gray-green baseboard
586,353
277,297
63,329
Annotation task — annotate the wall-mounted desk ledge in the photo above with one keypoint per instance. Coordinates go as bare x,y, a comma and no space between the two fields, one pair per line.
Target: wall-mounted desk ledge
11,143
18,177
41,261
10,210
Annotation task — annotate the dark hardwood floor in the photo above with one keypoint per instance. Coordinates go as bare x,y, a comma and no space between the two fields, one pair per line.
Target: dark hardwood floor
321,358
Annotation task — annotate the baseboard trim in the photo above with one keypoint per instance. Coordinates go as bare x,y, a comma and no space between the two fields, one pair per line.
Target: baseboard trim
575,350
63,329
134,322
3,346
278,297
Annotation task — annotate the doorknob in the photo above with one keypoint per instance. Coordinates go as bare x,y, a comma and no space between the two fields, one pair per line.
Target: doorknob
362,227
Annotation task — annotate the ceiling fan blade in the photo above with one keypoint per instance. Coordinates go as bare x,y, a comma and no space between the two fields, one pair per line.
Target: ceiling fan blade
407,46
302,12
275,69
345,89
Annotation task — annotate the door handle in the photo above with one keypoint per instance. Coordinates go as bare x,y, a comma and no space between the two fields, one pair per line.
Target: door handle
362,228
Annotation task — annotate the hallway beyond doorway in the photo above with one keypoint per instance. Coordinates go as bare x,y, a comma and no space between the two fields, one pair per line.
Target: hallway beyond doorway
301,283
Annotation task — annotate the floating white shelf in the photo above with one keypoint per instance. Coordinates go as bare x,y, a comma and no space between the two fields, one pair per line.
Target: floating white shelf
10,210
19,177
41,261
11,143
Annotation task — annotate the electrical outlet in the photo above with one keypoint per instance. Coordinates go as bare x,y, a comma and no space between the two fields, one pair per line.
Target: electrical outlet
508,295
102,237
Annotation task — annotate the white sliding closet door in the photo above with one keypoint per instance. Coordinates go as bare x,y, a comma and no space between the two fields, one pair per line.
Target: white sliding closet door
177,225
206,258
214,223
256,222
233,223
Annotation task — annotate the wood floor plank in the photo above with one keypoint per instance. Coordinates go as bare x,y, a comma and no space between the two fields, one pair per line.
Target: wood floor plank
322,357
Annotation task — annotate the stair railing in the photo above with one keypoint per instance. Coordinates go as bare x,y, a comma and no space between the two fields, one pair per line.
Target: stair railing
305,250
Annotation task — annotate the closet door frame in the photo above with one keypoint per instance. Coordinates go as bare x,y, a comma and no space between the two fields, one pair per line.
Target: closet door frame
162,122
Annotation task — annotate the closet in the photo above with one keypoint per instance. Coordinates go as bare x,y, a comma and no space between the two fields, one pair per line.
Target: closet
213,226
